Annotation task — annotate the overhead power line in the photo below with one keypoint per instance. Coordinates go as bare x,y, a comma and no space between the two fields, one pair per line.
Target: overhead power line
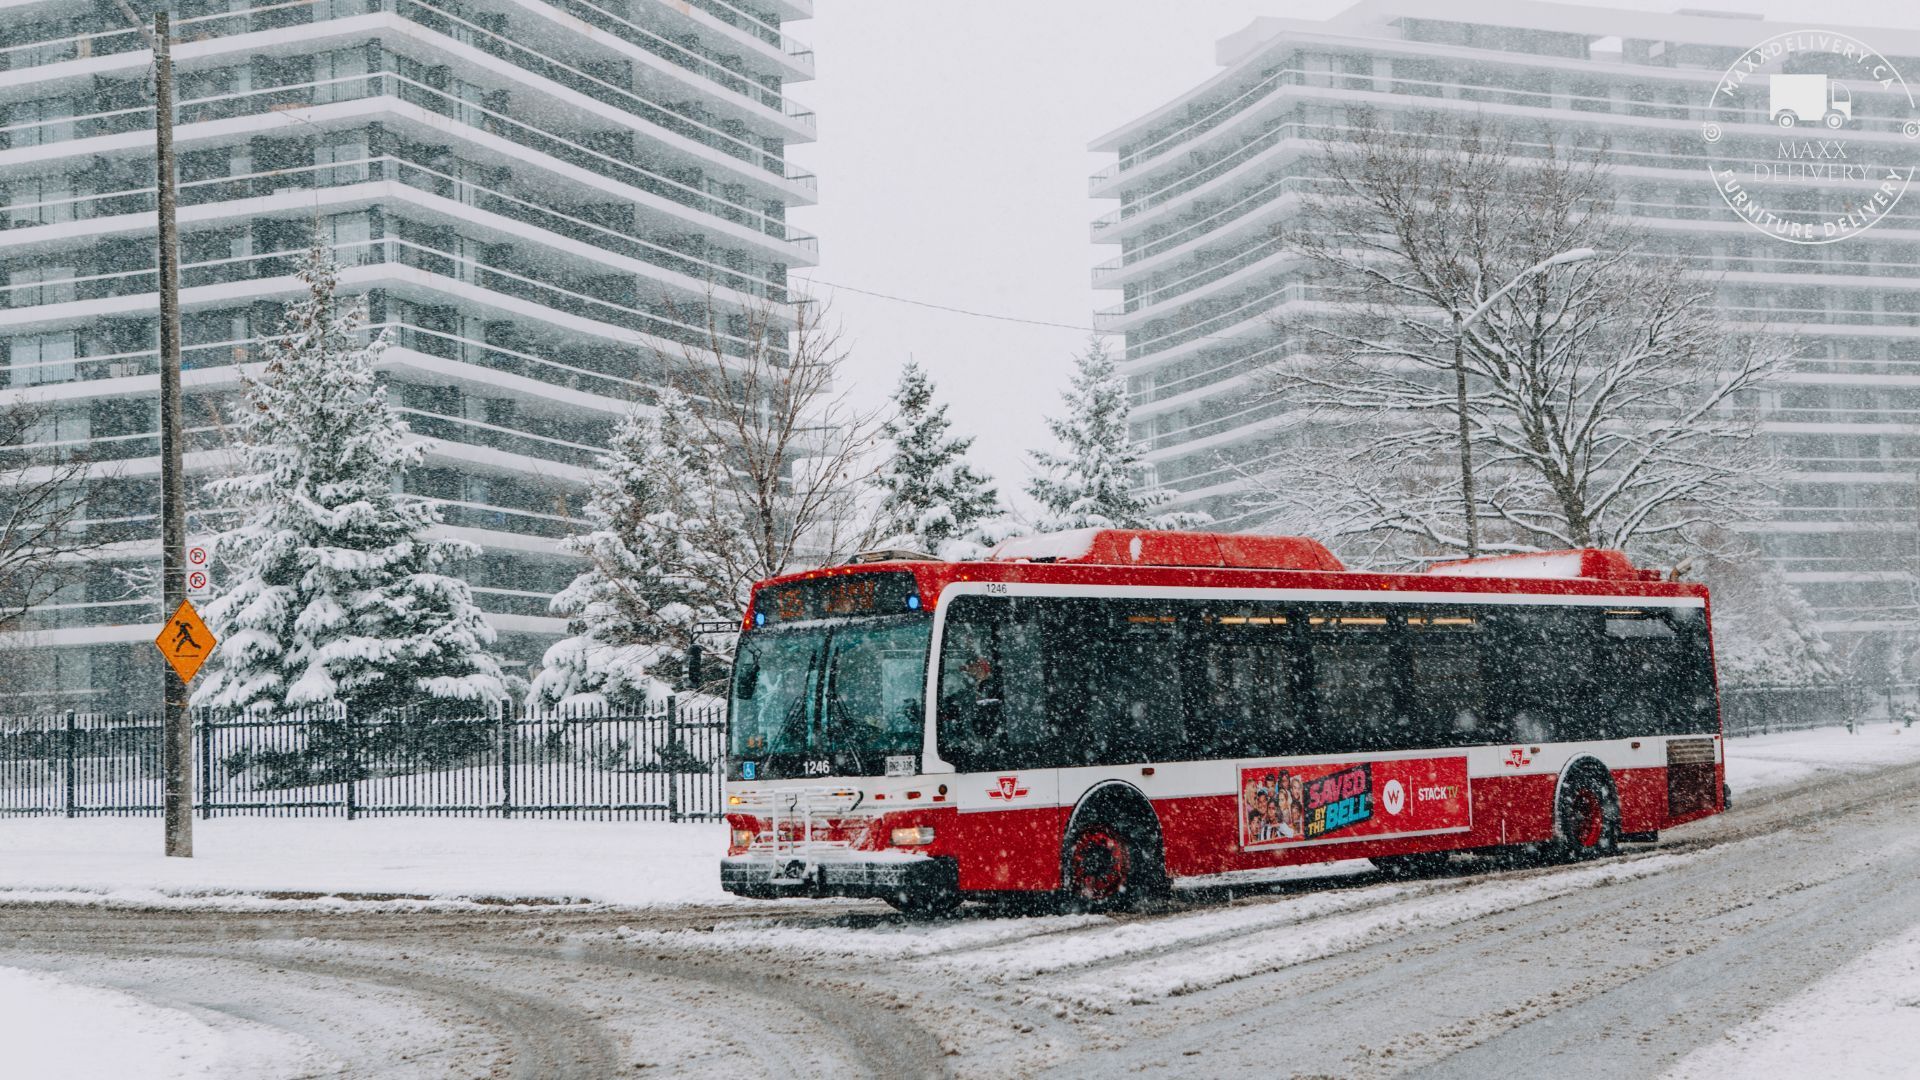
995,316
955,310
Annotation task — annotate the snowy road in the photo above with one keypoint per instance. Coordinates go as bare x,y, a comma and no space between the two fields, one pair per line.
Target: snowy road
1622,967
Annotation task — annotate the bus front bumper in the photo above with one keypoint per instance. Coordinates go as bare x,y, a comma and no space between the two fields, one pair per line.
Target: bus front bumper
764,876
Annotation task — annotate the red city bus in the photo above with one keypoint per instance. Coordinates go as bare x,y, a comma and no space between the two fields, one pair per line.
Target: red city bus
1096,713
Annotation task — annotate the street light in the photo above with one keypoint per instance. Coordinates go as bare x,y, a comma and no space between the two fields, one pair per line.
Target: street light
1460,324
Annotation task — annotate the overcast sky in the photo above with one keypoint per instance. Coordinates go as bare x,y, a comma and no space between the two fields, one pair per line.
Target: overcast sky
953,170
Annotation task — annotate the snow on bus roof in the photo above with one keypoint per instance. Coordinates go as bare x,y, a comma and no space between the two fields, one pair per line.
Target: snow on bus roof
1581,563
1070,544
1169,547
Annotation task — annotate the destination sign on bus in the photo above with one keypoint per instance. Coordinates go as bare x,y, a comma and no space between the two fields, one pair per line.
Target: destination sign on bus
1348,800
837,597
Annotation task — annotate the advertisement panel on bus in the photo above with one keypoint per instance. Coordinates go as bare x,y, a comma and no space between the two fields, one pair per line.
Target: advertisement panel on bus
1295,804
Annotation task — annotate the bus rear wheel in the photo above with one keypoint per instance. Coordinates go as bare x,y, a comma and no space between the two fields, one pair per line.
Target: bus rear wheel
1587,818
1110,864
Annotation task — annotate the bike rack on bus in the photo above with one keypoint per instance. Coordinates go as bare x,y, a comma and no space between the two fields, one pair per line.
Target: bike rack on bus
797,808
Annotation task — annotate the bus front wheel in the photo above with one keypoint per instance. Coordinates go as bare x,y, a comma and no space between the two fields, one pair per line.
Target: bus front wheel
1586,818
924,903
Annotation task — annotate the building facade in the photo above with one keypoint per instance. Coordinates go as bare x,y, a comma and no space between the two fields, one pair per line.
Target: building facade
1203,180
535,197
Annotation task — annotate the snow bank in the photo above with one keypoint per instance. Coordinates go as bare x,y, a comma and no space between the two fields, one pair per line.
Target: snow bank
56,1030
1762,761
315,861
1862,1018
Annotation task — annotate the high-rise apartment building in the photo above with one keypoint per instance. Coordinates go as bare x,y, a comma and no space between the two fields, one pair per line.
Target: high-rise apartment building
1203,180
532,195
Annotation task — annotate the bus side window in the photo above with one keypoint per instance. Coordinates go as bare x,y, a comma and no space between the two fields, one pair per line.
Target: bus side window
1240,699
1546,657
1130,701
968,713
1654,672
1351,660
991,693
1699,711
1445,686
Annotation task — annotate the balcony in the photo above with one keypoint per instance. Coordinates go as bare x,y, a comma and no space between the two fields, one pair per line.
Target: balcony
453,21
309,12
453,267
1227,262
1164,140
672,52
391,168
389,84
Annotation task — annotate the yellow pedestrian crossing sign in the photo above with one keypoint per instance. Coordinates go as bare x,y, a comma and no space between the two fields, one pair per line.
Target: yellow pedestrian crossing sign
185,641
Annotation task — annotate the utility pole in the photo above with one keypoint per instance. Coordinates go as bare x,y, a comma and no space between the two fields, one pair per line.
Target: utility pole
173,486
177,735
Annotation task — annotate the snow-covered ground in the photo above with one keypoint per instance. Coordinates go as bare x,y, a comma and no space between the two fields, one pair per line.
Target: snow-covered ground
1761,761
53,1031
1863,1017
317,860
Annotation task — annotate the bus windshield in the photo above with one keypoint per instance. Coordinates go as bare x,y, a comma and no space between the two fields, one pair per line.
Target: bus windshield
829,698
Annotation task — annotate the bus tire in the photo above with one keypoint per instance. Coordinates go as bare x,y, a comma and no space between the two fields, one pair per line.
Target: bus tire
1418,865
1586,816
1112,860
924,903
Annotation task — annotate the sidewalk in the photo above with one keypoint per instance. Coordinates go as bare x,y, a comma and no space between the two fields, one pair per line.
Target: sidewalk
323,861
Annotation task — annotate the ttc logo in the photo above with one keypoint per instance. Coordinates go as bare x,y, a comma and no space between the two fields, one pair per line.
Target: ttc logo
1518,758
1009,789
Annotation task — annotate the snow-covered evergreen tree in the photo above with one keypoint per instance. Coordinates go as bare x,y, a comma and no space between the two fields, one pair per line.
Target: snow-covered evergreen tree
661,529
1095,483
1764,632
931,496
338,594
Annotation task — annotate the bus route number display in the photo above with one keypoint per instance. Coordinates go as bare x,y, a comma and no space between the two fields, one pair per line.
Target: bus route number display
1360,800
838,597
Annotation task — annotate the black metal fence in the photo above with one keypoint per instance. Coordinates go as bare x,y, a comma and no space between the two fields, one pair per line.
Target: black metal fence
664,763
1757,710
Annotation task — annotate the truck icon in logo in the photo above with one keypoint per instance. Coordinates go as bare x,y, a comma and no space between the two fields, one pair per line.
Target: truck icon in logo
1007,789
1808,99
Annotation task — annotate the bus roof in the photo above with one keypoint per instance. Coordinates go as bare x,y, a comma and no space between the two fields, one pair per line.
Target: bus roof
1164,558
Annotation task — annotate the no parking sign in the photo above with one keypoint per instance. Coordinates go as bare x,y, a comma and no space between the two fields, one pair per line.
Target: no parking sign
199,578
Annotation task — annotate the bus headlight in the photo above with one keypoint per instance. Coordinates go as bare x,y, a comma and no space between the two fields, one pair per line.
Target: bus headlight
742,838
916,836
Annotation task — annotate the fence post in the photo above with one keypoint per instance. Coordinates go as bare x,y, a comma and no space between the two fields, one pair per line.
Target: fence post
72,737
673,778
353,763
505,725
206,765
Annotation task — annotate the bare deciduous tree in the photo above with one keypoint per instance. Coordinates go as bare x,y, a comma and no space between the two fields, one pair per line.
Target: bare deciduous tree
42,502
1608,402
765,386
